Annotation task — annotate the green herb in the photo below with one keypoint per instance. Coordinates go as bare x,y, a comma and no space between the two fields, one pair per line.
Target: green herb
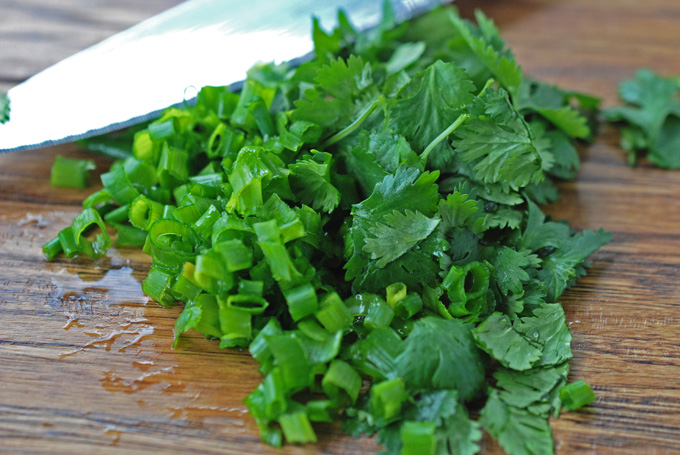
4,107
576,394
70,172
650,118
370,217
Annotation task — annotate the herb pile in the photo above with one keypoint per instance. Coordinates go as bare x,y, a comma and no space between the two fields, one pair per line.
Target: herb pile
368,226
650,118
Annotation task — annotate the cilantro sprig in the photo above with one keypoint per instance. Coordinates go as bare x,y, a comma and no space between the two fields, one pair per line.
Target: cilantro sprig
650,118
370,217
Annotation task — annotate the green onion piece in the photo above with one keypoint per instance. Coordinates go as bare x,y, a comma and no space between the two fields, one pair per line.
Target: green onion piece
269,239
162,130
140,172
187,214
117,215
387,397
379,314
117,183
185,284
52,248
417,438
68,242
235,254
97,198
395,292
576,395
297,428
251,304
241,116
291,360
157,286
334,314
322,351
86,220
464,285
173,166
210,274
274,391
203,225
321,410
259,347
302,301
128,235
171,243
143,212
339,378
290,141
219,100
410,306
207,185
70,172
250,287
313,329
226,142
263,119
143,147
235,323
377,353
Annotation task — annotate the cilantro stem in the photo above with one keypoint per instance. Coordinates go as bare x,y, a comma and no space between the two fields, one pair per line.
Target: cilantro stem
352,127
426,153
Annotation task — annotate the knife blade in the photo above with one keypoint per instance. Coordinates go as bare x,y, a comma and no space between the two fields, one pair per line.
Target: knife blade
163,61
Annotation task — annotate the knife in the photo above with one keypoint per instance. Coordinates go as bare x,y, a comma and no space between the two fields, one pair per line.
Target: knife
163,61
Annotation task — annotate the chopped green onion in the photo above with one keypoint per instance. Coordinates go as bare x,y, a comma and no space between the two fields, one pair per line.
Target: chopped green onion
339,378
297,428
302,301
52,248
418,438
87,219
143,212
387,397
334,314
576,395
70,172
117,215
128,235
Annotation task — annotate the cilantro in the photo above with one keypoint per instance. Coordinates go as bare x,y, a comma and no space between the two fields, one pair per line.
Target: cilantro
650,118
367,226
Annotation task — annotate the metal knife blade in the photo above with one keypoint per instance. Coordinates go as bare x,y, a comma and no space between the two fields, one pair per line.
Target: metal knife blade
164,60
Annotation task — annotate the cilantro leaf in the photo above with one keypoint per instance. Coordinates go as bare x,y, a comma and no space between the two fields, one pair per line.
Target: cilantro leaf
552,103
337,96
548,327
536,390
310,179
484,40
509,266
398,233
438,94
518,431
498,143
497,336
405,189
561,267
651,117
440,354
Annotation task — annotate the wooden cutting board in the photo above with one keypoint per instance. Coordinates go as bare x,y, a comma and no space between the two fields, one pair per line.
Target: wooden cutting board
85,361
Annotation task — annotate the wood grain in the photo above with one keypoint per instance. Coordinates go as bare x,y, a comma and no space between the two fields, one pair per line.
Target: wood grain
86,365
